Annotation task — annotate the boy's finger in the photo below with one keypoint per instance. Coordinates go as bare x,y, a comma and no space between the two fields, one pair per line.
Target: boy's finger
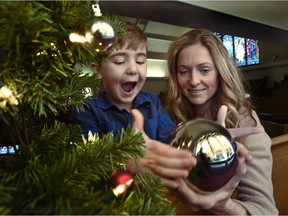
138,123
138,120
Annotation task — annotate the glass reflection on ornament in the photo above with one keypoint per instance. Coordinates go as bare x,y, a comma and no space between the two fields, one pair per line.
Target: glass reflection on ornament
214,149
101,34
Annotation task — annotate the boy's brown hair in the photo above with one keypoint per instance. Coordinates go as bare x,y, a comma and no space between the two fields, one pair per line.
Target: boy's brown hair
133,36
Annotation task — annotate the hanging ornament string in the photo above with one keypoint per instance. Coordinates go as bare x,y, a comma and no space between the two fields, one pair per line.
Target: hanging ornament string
96,9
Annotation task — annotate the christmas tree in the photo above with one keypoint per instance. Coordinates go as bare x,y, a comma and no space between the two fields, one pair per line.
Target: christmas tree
45,165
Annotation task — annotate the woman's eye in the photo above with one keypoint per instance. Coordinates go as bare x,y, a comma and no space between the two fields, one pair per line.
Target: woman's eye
205,70
183,73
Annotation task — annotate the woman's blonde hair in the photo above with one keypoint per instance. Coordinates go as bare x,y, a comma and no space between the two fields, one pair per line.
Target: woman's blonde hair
231,91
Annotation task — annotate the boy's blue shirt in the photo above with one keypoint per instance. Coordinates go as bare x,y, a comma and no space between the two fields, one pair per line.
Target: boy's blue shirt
103,116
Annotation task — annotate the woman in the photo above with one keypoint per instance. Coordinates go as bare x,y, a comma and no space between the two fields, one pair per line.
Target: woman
202,79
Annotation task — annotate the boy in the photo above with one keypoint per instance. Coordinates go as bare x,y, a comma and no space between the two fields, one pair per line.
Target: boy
123,76
122,104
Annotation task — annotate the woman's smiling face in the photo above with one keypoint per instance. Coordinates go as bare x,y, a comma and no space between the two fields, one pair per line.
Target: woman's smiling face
197,75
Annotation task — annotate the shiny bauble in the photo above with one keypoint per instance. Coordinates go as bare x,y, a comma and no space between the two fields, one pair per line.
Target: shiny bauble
100,34
214,149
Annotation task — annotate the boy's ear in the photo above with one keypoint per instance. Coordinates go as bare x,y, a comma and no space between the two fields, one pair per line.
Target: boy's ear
96,69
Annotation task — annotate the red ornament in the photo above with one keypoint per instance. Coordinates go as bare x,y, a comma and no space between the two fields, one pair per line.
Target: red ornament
120,177
120,181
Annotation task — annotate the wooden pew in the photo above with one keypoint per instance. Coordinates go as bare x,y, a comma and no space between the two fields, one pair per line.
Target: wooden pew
274,129
279,178
280,173
273,101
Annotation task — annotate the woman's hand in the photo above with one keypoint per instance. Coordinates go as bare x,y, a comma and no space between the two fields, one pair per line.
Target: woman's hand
163,160
218,202
237,132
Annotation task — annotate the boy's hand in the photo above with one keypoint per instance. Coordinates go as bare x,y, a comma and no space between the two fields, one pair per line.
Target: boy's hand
163,160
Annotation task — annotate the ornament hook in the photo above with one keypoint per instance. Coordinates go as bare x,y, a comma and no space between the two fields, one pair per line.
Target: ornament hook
96,9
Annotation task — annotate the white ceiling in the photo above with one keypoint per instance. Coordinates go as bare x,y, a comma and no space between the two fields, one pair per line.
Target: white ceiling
272,13
163,20
266,21
160,35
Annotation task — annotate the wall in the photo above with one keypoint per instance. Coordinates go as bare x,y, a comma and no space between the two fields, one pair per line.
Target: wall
155,85
274,63
179,14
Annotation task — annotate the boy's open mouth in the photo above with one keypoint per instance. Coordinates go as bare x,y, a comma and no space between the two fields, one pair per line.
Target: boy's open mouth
128,86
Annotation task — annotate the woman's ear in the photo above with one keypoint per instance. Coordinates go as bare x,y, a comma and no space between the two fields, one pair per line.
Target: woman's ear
96,69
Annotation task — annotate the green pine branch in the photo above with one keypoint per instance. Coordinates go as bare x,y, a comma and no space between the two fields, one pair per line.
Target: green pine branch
76,181
53,171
